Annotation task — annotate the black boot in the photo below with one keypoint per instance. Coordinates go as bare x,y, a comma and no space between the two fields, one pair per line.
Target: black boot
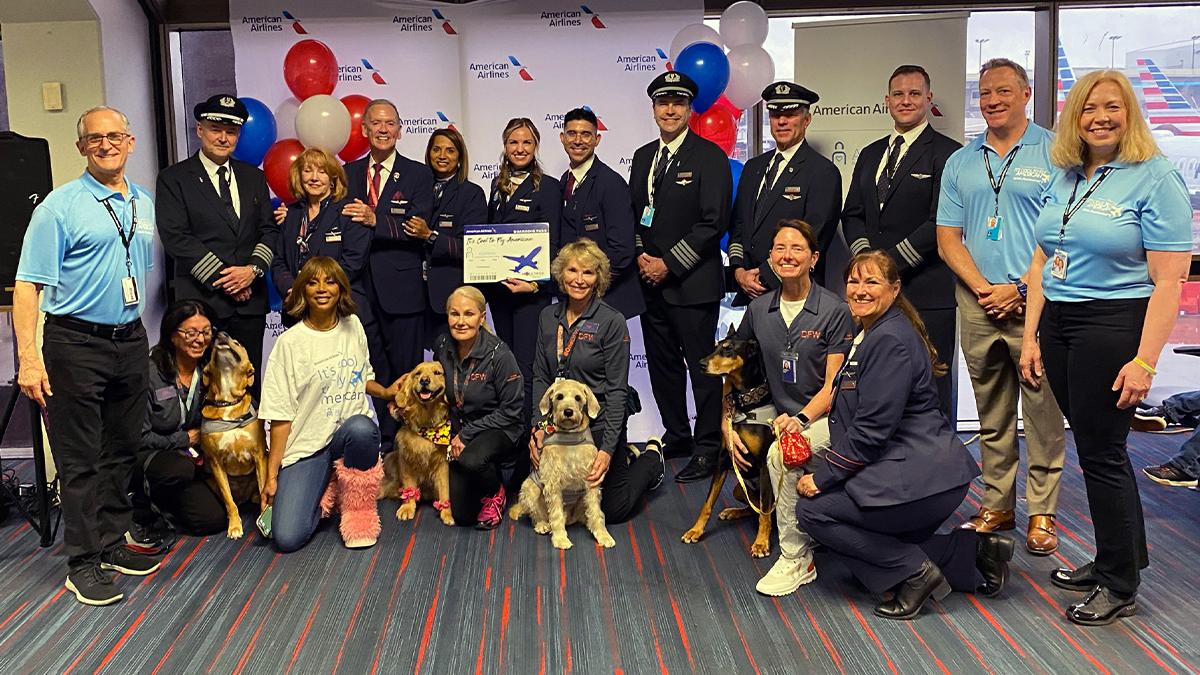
1101,607
912,593
991,559
1078,579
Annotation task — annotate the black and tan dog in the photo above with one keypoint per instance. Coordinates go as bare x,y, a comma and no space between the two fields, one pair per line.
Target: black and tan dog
231,435
747,405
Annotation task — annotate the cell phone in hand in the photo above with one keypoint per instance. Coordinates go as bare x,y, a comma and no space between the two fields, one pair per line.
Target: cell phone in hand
264,522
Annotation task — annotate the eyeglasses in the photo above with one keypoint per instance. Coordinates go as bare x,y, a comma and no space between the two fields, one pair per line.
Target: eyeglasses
191,334
96,140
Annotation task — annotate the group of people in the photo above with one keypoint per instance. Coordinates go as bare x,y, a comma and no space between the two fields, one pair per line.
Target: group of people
1063,254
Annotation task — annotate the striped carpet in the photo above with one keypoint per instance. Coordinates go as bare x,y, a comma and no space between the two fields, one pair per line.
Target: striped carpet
439,600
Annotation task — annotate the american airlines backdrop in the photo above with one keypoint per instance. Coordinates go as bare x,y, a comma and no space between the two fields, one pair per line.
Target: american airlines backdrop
474,67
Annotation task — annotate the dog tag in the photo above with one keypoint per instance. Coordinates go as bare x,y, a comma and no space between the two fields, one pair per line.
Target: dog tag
994,233
129,291
1058,265
647,216
790,361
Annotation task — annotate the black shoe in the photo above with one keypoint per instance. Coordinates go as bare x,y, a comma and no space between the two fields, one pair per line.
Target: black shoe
699,468
126,561
1166,474
150,539
912,593
1149,419
991,559
93,586
1102,607
654,448
1078,579
677,450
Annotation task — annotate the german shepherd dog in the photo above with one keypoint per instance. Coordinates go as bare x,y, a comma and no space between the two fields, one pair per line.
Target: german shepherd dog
231,434
744,390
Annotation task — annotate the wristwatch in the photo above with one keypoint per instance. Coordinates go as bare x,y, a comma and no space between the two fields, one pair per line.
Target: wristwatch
431,238
1022,287
804,421
258,271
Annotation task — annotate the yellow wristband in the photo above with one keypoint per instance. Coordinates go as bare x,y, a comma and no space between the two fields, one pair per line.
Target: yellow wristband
1145,366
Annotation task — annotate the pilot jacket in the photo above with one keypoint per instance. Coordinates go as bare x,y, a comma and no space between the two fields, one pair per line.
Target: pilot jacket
890,443
808,188
461,204
600,209
329,234
203,237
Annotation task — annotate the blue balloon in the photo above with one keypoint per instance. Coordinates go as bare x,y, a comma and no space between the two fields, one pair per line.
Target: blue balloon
708,66
735,170
258,133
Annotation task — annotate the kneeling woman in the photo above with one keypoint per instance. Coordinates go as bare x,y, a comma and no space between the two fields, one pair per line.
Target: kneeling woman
324,437
895,470
584,338
485,391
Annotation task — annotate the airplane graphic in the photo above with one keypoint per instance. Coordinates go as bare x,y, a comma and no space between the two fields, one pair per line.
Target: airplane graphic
1066,77
356,375
1167,110
525,260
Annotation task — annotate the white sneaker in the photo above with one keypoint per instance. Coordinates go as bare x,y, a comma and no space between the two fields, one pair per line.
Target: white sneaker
786,575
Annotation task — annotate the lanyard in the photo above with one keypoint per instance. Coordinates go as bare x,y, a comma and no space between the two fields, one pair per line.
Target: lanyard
305,235
565,353
657,175
461,381
126,239
1073,207
998,183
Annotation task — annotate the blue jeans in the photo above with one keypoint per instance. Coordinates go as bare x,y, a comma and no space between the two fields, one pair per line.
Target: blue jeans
1188,459
296,510
1183,409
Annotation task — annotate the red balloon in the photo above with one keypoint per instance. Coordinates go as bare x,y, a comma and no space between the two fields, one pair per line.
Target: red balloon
310,69
728,105
356,145
717,125
276,164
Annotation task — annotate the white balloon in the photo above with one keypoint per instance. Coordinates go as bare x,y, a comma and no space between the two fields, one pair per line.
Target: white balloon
285,118
743,23
751,69
691,34
323,122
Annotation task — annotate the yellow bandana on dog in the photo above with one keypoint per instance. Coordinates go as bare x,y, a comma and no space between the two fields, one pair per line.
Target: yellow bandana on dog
439,435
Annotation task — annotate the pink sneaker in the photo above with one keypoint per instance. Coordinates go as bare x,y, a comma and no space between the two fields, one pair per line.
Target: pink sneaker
489,514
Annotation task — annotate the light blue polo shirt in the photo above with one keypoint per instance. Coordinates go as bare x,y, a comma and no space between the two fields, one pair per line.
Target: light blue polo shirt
1138,207
73,249
967,201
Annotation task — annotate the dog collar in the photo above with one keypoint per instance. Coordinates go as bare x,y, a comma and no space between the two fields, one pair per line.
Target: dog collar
210,425
439,435
224,404
750,398
567,438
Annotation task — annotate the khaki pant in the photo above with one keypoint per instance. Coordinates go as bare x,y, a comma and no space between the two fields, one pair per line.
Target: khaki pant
793,542
993,353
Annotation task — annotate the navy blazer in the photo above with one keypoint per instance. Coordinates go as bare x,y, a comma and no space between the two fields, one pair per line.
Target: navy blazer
461,204
890,442
808,188
329,234
906,225
203,237
601,209
396,260
691,212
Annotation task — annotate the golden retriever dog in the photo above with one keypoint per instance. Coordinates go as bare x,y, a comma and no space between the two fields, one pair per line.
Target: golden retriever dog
566,459
231,435
419,461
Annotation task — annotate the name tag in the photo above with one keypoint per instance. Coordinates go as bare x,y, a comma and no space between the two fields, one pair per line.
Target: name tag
683,177
399,207
589,326
790,361
792,193
647,216
1058,265
994,225
129,291
333,237
521,207
165,393
445,223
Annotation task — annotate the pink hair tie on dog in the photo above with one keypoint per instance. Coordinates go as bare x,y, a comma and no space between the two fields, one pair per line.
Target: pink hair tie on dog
410,493
442,506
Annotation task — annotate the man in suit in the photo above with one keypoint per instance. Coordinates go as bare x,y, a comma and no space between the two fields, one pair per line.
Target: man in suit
396,188
793,181
214,218
681,191
596,205
892,206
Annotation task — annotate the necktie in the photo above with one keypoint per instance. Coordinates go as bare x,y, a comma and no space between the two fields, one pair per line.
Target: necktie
660,168
373,194
438,188
570,191
223,188
889,172
769,179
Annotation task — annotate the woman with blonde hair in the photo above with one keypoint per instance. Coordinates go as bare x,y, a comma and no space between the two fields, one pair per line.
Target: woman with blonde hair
1114,245
485,391
314,226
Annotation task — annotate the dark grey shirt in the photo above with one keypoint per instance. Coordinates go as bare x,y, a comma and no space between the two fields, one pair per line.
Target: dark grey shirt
822,328
485,390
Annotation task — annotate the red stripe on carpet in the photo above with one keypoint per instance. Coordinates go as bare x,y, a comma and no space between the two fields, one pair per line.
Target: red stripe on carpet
428,630
964,640
683,636
387,619
262,624
829,648
121,642
871,634
362,591
941,666
242,614
996,625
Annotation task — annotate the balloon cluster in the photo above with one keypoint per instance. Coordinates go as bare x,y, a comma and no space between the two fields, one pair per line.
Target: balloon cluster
728,82
312,117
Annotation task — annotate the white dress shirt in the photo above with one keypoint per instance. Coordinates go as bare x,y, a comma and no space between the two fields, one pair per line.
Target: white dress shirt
211,167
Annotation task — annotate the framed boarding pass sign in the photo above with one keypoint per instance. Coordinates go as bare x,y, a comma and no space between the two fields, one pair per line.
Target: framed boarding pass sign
506,251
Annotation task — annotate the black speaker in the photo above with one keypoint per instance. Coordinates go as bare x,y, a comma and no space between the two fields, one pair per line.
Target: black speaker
25,181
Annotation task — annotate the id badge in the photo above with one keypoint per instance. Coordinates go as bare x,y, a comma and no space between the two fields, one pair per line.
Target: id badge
790,361
333,237
1058,265
647,216
129,291
994,233
399,208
